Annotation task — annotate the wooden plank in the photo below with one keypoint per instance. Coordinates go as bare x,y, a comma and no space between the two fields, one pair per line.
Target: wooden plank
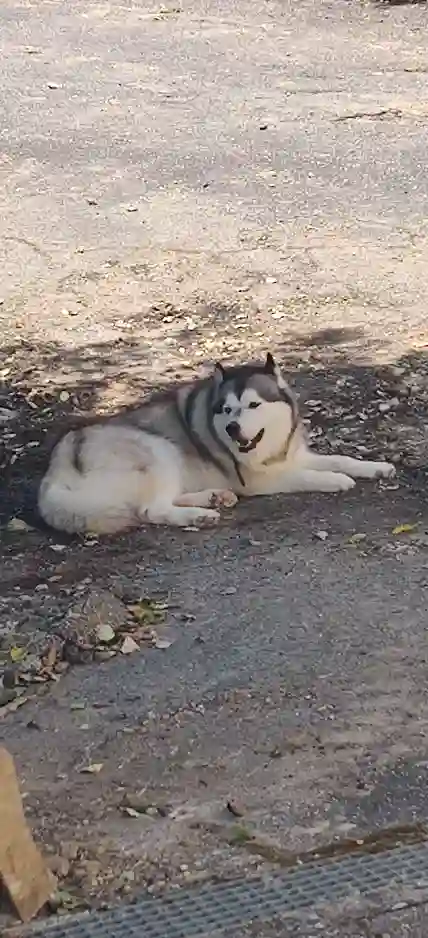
24,874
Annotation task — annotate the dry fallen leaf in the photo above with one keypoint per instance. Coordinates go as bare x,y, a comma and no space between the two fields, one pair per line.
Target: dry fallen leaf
66,900
131,812
148,610
17,654
17,524
356,538
93,769
49,658
12,706
404,528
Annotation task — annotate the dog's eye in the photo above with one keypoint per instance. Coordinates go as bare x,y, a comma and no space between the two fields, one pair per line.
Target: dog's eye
227,410
253,404
218,407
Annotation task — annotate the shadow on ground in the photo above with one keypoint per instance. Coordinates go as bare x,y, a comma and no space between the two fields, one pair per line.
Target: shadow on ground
43,389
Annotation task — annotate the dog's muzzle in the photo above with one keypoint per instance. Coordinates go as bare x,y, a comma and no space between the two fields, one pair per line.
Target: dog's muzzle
245,446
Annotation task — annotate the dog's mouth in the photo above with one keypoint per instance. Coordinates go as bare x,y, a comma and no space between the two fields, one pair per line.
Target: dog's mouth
245,446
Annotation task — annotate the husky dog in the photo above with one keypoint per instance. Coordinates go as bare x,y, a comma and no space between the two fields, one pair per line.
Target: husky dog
181,455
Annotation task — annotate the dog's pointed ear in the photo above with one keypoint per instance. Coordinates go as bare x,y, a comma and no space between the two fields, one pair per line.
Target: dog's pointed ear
218,373
271,367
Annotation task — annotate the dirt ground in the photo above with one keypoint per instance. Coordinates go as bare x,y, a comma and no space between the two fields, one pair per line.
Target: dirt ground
182,184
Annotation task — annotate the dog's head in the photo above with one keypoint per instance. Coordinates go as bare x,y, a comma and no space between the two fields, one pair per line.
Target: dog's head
254,411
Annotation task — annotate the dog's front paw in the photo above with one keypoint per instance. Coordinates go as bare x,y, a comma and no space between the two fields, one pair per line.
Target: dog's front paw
206,519
223,499
383,470
341,482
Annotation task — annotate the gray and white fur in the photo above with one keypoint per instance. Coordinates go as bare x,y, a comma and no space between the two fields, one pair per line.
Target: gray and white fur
181,455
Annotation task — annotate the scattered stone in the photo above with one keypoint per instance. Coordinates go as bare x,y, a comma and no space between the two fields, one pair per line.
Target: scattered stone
321,535
105,633
97,609
233,809
162,643
23,873
129,646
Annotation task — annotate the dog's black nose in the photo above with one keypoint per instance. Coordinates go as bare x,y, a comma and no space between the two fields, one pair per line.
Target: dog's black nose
233,430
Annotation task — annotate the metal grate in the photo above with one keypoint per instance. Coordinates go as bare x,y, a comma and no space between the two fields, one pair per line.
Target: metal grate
211,909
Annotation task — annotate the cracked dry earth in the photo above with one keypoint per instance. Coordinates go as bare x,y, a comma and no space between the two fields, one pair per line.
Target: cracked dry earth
276,700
